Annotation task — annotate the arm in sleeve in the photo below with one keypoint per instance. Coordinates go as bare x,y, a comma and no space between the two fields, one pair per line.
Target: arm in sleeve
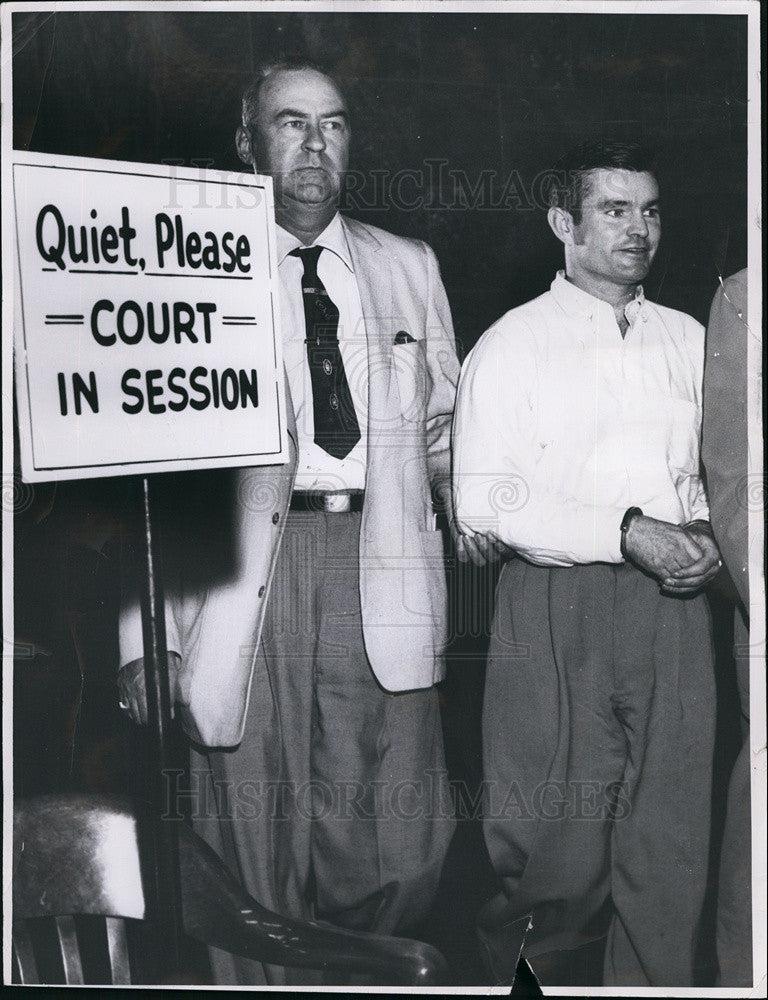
698,494
443,376
130,634
498,488
724,431
182,608
131,650
699,503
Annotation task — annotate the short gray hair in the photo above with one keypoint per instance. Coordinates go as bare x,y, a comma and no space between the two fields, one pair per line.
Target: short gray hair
253,90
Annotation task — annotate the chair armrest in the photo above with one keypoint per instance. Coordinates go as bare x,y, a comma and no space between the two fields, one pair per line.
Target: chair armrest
218,911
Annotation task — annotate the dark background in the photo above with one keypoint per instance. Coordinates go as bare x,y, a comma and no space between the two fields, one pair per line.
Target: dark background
489,94
455,116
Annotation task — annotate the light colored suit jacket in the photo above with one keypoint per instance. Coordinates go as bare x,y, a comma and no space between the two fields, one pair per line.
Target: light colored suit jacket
215,626
724,427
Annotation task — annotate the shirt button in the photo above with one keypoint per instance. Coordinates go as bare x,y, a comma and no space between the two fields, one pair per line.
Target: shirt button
327,366
261,591
333,399
275,518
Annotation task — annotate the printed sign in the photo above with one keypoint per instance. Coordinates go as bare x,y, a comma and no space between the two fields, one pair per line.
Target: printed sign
146,319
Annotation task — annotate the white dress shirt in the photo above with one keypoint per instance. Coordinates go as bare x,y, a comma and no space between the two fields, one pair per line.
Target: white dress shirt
561,425
317,470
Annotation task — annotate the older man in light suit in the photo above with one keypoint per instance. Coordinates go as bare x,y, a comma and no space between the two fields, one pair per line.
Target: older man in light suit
309,664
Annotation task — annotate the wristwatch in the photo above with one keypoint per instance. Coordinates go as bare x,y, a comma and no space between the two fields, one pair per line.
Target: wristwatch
630,514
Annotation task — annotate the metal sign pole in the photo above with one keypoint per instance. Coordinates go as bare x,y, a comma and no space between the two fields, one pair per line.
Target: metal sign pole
165,908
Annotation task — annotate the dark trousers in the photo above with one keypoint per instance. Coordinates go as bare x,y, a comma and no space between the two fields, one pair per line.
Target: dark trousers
335,804
598,727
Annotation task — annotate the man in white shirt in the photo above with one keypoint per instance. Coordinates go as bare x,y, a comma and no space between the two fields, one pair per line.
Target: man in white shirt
312,659
576,443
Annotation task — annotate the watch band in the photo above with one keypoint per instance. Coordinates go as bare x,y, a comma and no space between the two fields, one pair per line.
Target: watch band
629,515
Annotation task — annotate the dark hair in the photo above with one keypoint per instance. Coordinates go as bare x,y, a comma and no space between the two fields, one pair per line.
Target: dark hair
568,183
252,91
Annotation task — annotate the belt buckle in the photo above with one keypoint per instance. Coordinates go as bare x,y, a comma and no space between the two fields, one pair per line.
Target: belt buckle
336,503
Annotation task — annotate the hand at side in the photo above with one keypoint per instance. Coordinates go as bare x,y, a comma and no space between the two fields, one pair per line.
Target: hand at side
133,691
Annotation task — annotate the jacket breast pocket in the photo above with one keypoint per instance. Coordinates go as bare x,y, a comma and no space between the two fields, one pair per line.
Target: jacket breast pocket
410,364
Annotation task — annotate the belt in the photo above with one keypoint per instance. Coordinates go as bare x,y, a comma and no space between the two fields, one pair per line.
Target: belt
339,502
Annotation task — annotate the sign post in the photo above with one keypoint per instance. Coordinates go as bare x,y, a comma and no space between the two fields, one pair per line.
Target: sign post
165,839
146,321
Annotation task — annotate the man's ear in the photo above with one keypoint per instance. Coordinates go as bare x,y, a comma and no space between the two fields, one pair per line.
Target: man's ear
244,145
561,224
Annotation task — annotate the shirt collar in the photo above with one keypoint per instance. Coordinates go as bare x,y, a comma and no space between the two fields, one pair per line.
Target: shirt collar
332,238
576,301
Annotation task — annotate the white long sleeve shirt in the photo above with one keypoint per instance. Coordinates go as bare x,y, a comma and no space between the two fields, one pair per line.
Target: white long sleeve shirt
561,425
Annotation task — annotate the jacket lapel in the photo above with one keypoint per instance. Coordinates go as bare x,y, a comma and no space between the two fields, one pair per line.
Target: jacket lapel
374,282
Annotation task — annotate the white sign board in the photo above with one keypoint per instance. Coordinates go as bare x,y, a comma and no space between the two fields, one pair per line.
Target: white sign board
146,319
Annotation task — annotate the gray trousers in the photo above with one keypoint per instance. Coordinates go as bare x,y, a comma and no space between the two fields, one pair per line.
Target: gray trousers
598,730
734,895
335,805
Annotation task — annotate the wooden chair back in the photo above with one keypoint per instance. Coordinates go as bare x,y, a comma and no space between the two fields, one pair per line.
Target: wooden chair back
79,855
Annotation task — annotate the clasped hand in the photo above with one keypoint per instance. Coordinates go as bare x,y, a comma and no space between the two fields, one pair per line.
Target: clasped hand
683,559
478,548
